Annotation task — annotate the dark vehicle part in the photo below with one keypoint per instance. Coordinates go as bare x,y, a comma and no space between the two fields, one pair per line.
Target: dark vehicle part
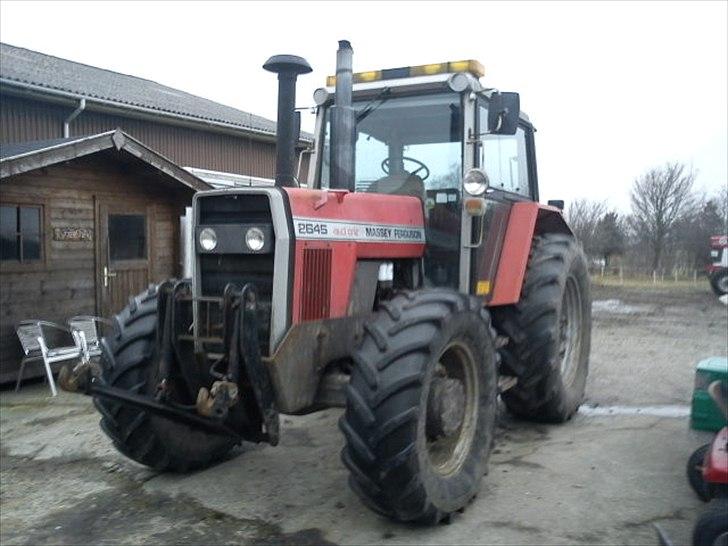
695,473
343,121
711,529
288,67
505,108
420,417
549,332
719,282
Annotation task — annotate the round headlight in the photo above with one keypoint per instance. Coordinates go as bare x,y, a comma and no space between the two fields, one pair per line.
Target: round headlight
476,182
255,239
208,239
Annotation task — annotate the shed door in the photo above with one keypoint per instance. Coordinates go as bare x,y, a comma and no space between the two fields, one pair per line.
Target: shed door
124,255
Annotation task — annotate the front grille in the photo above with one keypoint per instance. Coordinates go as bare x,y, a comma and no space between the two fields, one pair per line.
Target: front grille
237,208
217,270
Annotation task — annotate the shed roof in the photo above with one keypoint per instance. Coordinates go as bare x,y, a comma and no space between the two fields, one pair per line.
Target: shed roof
26,68
28,156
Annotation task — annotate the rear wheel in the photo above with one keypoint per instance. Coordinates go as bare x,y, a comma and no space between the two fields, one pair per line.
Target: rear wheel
130,362
420,411
719,282
549,332
711,529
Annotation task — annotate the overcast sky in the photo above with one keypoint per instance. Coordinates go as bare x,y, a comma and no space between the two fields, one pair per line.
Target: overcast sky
613,88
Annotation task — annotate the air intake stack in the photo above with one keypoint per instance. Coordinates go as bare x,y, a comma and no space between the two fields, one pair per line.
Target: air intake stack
288,67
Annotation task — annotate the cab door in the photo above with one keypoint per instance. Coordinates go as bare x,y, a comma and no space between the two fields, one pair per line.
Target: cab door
123,255
508,161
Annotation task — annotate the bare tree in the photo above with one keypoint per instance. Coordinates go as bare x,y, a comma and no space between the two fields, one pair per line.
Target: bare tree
584,217
721,200
660,199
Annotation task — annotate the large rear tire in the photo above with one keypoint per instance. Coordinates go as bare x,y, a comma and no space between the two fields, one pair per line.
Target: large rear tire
549,332
130,362
420,416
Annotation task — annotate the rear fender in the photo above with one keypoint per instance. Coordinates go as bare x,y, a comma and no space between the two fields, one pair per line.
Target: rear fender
526,220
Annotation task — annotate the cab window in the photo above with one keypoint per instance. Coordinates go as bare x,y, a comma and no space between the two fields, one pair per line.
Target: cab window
402,137
504,158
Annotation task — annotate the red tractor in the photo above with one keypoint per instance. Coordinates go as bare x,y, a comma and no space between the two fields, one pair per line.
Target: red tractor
717,269
410,280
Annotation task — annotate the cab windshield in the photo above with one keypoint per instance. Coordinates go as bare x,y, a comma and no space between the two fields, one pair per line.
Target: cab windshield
404,140
413,146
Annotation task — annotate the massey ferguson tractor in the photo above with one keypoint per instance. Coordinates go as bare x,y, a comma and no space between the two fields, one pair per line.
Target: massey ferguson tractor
411,279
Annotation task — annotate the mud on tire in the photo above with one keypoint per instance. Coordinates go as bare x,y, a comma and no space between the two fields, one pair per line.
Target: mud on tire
550,324
389,451
129,362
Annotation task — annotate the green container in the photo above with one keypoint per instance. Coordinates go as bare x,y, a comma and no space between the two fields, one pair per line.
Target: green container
704,413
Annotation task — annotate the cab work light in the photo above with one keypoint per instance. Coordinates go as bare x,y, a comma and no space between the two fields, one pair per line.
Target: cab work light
472,66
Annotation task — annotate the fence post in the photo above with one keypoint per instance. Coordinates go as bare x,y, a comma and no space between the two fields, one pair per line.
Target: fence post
675,270
654,276
621,275
695,276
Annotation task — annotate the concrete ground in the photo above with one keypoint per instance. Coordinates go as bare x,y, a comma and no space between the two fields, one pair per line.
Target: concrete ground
604,477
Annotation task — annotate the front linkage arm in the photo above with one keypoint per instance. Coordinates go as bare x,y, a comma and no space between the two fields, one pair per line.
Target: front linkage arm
211,409
242,345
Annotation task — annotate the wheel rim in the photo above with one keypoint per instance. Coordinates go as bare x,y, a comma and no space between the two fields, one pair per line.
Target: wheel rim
570,325
449,433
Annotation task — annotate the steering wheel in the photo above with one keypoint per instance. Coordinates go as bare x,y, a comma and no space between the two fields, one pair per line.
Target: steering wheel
385,167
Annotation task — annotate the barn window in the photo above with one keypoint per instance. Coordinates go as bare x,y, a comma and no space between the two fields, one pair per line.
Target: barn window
127,237
20,233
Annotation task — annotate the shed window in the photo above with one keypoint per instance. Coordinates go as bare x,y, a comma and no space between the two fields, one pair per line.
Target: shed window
127,237
20,233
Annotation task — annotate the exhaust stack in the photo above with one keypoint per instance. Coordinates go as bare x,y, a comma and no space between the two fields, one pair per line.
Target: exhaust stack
288,67
343,122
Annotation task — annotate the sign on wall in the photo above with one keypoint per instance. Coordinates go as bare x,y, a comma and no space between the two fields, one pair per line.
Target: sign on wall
73,234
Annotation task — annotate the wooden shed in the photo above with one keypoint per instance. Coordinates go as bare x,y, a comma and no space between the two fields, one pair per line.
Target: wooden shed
86,222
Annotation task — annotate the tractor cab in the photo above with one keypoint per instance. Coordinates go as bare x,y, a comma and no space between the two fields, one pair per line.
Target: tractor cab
424,131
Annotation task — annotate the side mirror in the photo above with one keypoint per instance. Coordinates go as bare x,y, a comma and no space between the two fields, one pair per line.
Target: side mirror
558,203
503,112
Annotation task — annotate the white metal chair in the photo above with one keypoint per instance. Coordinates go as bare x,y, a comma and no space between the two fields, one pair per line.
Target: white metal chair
86,334
35,346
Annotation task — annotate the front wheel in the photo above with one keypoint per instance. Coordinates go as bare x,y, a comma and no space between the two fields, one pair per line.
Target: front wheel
130,362
420,413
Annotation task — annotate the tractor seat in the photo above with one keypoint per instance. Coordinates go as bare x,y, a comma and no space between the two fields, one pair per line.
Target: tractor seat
400,184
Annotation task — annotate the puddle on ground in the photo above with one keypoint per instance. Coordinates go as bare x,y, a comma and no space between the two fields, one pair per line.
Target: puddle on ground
618,307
